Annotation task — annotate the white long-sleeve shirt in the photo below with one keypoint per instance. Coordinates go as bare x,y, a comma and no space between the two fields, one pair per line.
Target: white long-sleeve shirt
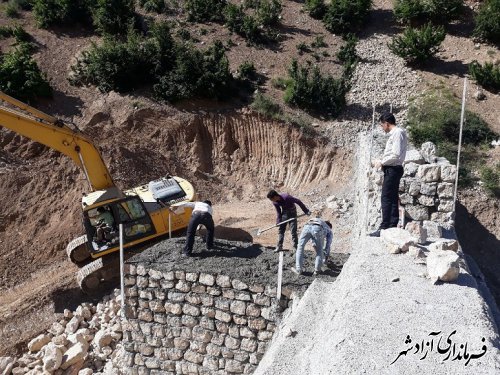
395,148
199,207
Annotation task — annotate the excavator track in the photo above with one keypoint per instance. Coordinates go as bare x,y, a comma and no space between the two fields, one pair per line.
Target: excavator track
91,277
77,250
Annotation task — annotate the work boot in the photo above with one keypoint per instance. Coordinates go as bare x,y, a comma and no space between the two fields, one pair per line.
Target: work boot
375,234
296,271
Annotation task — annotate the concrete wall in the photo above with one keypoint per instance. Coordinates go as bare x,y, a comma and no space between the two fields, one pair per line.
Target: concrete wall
190,322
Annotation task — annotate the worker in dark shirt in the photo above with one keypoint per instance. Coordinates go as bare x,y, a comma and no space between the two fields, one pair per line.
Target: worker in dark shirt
285,209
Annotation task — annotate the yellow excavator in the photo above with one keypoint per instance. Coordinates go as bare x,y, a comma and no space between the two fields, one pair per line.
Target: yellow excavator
144,211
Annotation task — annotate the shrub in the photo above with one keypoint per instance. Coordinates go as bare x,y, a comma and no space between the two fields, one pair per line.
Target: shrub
242,24
17,32
487,75
114,65
157,6
113,16
421,11
416,46
268,12
20,76
302,47
343,16
488,21
196,74
319,42
205,10
51,12
247,71
315,8
310,90
265,106
347,55
12,9
491,179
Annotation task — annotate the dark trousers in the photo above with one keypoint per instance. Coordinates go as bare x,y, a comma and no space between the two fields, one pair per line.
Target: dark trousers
203,218
390,196
293,229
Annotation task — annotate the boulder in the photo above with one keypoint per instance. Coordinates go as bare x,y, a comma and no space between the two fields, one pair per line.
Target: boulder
428,188
444,245
445,190
74,355
397,238
56,329
443,265
448,173
413,156
417,231
414,187
434,230
52,358
406,199
6,365
410,169
445,205
443,217
416,252
426,200
73,324
429,172
102,338
38,342
417,212
428,152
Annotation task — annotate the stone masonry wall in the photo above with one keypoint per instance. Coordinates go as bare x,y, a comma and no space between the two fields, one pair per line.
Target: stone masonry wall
195,323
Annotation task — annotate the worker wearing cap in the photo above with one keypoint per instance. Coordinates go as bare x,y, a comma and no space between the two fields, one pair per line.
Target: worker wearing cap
320,232
392,166
202,214
285,209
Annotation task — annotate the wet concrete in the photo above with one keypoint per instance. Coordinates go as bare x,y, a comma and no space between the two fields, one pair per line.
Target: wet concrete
248,262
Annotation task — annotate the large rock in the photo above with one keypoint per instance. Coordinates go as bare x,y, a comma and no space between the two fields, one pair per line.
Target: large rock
410,169
445,190
74,355
102,338
417,212
73,324
444,245
445,205
443,217
443,265
428,152
38,342
414,187
448,173
428,188
417,231
426,200
397,238
413,156
52,358
406,199
429,172
434,230
6,365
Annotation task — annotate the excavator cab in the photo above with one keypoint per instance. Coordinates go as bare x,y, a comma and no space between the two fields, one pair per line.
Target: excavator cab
102,223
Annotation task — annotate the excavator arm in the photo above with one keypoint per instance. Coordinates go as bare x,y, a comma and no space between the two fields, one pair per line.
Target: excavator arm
53,133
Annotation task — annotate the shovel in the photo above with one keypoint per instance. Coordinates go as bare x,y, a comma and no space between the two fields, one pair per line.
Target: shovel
260,231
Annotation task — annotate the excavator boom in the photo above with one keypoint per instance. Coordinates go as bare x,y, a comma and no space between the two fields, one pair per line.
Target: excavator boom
48,131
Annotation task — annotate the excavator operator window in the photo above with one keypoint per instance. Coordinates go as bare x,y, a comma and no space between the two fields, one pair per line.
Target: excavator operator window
104,231
136,222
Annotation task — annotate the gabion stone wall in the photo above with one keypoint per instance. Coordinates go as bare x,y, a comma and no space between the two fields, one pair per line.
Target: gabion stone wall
195,323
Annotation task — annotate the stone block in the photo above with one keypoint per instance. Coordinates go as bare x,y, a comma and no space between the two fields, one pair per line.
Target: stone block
413,157
255,358
222,316
193,298
256,288
414,186
223,281
448,173
426,200
183,286
240,320
417,231
154,274
248,345
192,276
445,205
429,172
240,285
434,230
238,307
218,338
202,334
417,212
193,357
241,356
152,363
228,293
257,323
142,270
186,332
169,275
222,303
180,343
208,311
52,359
397,237
189,321
243,296
207,279
176,296
410,170
253,310
443,217
180,275
246,332
428,152
38,342
232,343
264,335
443,265
211,363
445,190
73,355
429,188
146,315
207,323
191,310
214,291
156,306
198,288
443,245
406,199
173,308
262,299
175,354
233,366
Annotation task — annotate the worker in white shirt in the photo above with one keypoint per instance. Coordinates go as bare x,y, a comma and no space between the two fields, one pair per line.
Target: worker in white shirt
392,166
202,214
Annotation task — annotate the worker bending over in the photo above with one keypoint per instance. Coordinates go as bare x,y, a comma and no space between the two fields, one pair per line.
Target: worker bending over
285,209
318,231
202,214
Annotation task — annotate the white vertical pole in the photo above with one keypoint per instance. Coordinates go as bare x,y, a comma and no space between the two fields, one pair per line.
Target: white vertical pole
169,225
122,275
462,118
280,276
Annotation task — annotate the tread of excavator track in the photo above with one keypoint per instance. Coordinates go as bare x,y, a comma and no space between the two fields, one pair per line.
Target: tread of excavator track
91,276
77,250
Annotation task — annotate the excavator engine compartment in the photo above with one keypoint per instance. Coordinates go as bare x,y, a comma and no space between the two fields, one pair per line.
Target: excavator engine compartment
166,190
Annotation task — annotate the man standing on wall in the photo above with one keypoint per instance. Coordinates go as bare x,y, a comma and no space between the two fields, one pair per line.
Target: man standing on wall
285,209
392,166
202,214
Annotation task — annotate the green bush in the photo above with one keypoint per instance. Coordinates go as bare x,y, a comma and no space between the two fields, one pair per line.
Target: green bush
302,47
157,6
319,42
265,106
16,31
114,65
51,12
310,90
243,24
268,12
422,11
417,45
205,10
196,74
315,8
491,179
113,16
347,55
20,76
488,21
247,71
12,9
344,16
487,75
